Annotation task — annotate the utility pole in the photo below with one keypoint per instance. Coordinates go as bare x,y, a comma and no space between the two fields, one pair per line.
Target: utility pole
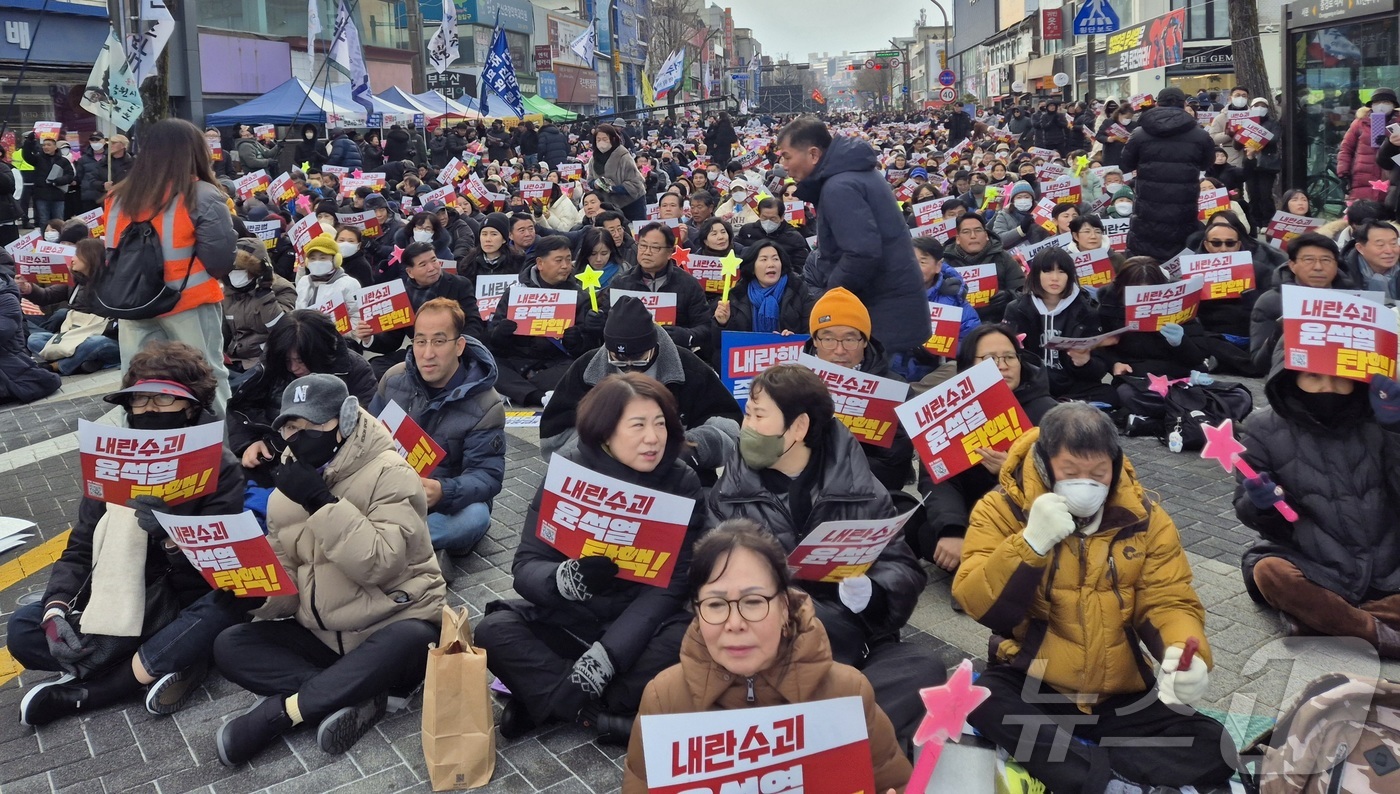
1089,61
414,20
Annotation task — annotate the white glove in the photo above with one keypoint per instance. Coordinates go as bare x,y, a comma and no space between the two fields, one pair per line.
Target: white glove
1049,523
855,593
1181,687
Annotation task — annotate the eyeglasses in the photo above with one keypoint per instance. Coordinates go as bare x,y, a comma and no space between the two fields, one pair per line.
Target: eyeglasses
437,342
1312,262
752,608
630,364
652,248
1002,359
832,342
158,400
1222,243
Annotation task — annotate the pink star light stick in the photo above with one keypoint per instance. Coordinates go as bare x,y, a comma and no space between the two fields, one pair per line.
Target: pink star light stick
1222,446
947,707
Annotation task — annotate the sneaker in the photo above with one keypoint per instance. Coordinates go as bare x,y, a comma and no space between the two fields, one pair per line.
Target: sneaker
1014,779
169,693
242,737
341,730
50,700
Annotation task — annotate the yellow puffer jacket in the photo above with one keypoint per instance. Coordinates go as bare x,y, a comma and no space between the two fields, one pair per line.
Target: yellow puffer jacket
1074,618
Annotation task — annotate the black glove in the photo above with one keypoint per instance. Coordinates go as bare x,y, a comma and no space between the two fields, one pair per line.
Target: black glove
592,322
580,580
143,505
501,331
303,485
64,644
681,336
575,344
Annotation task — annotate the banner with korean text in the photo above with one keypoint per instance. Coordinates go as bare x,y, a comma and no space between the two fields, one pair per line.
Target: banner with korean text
541,312
950,422
385,307
745,354
1228,275
490,289
981,281
121,463
662,305
864,403
1149,307
411,440
838,550
230,552
947,327
1333,333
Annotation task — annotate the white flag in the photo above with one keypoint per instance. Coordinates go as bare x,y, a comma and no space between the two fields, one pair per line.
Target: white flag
157,26
313,29
585,46
669,76
111,92
347,53
443,47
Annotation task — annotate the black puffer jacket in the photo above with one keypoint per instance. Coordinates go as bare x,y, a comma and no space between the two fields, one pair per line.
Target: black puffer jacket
554,145
1231,315
1148,352
1011,279
1343,480
1168,151
21,379
1077,319
794,309
842,488
788,237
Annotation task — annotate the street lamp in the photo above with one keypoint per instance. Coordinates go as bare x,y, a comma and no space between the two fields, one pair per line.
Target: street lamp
946,47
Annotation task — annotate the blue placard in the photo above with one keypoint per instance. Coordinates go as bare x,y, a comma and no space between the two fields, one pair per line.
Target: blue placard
374,120
418,120
746,354
1094,17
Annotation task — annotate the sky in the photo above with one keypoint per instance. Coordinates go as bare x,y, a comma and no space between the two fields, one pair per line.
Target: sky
798,27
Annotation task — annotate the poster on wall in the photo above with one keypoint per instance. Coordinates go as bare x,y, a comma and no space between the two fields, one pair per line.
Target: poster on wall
1153,44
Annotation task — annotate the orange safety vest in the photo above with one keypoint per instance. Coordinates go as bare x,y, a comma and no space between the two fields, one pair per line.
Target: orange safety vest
175,229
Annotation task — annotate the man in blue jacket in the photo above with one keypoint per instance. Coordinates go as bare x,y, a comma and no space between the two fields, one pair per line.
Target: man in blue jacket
863,237
447,385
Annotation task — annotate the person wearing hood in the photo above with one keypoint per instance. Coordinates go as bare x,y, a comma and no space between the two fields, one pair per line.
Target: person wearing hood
1313,261
1168,153
944,286
1113,141
446,384
1175,351
325,277
348,522
613,171
309,150
1070,510
632,342
396,144
1371,264
581,643
1336,570
1018,123
1013,224
1230,176
461,231
1052,128
656,272
492,255
554,144
254,300
1055,306
1262,165
797,467
498,149
382,247
861,232
973,246
423,280
755,640
97,589
768,297
720,138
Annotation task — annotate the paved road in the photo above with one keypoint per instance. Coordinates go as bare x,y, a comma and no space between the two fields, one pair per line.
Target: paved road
127,750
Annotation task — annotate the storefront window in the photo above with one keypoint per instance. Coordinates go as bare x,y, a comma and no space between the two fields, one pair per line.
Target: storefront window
1335,69
48,96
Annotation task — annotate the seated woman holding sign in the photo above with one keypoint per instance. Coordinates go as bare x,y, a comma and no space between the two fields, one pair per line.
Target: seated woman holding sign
1173,352
591,630
756,641
768,297
123,607
1074,568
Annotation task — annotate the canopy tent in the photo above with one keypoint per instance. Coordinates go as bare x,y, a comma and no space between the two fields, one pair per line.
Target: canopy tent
466,105
549,110
394,113
431,104
293,102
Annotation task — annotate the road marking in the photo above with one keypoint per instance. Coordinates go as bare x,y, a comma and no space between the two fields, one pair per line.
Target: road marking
34,560
9,668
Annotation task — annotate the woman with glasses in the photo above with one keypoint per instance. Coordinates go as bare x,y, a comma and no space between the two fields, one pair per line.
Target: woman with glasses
756,641
581,643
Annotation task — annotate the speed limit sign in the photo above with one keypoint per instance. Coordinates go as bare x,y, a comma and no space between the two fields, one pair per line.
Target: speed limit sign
948,95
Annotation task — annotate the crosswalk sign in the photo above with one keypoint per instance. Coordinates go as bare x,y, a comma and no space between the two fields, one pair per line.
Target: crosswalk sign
1096,16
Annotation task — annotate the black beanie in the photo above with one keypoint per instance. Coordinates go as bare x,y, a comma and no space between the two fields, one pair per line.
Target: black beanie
498,221
327,207
629,333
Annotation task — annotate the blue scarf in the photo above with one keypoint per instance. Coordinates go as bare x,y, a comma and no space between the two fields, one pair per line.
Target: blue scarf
609,270
766,302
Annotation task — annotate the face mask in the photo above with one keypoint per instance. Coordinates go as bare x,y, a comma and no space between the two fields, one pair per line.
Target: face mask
740,197
1382,108
421,236
604,145
320,267
315,448
1238,102
349,249
1124,208
310,136
157,420
1023,205
1084,497
51,237
98,146
759,451
240,278
769,226
1258,112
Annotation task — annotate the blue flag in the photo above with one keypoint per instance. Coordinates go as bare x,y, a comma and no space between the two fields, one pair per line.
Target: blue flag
498,75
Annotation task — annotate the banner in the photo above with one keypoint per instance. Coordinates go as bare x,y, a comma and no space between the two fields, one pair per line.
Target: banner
230,552
1212,201
864,403
947,327
943,230
303,232
248,184
1333,333
535,190
1285,226
1093,268
455,171
385,307
25,242
708,270
412,441
47,130
816,746
1029,250
662,305
1154,44
1149,307
112,92
443,47
1225,275
267,231
1116,229
745,354
928,212
489,290
44,269
334,307
367,222
796,211
120,463
1064,190
569,172
1081,342
542,312
586,514
838,550
972,411
1251,134
281,189
981,281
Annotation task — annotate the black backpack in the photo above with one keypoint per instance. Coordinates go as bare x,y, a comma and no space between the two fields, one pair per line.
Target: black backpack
1142,409
1189,407
130,285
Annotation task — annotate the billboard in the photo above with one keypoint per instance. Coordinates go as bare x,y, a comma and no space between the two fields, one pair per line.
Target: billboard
562,33
1153,44
976,22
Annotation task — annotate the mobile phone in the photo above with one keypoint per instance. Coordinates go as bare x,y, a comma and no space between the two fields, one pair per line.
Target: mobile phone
1393,129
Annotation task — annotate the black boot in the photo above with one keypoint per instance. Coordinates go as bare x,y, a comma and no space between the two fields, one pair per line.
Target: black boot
64,696
339,732
515,719
611,728
242,737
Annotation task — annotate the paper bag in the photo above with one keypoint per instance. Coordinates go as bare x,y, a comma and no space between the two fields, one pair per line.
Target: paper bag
459,735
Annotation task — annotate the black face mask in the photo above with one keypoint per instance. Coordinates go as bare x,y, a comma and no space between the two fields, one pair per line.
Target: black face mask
315,448
157,420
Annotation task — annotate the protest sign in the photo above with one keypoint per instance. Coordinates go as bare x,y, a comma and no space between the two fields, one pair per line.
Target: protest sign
1040,213
1043,153
264,131
587,514
796,212
1172,267
334,307
1149,307
942,231
950,422
25,242
1251,134
1064,190
455,171
928,212
489,290
1093,268
216,151
981,281
708,270
303,231
266,231
95,220
662,305
384,307
1333,333
1227,275
1029,250
947,327
230,552
120,463
367,222
1081,342
414,443
337,171
542,312
281,189
1116,229
864,403
44,269
570,172
248,184
535,189
1285,226
1049,171
445,194
47,130
814,746
745,354
838,550
1212,201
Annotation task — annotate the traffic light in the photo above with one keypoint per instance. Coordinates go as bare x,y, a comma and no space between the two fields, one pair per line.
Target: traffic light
855,67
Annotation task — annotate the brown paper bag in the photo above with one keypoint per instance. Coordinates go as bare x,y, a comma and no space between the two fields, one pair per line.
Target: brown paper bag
459,732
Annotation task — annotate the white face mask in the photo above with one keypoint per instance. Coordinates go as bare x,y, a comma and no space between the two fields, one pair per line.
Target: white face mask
1382,108
1084,498
421,236
1023,204
349,249
1238,102
1124,208
98,146
740,197
604,145
320,267
1258,111
769,226
51,236
240,278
